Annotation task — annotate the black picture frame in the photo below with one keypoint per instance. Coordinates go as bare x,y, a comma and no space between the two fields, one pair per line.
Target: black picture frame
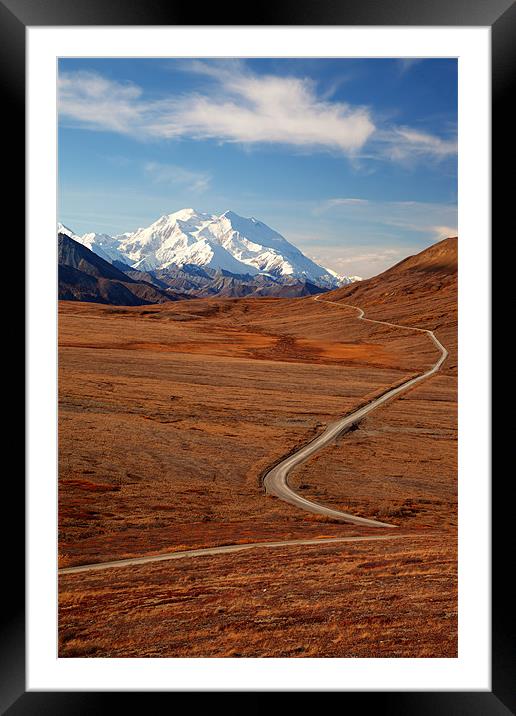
15,17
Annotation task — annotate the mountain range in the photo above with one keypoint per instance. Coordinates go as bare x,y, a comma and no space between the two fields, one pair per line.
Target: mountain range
86,276
227,243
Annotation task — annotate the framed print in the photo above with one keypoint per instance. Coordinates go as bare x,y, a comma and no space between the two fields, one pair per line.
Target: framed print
258,427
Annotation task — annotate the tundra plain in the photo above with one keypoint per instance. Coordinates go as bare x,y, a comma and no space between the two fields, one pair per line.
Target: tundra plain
169,415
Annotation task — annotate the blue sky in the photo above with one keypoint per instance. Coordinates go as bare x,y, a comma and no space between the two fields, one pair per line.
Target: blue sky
354,161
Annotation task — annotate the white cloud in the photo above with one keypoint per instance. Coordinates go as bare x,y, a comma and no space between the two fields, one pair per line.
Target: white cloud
267,108
412,215
347,201
403,144
246,108
172,174
344,201
368,236
370,261
95,102
431,231
443,232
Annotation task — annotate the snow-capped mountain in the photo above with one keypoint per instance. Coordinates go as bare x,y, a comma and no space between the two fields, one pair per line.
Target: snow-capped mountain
62,229
229,242
103,245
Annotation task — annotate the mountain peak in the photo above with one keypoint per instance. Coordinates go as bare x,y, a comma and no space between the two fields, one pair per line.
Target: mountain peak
233,243
185,214
62,229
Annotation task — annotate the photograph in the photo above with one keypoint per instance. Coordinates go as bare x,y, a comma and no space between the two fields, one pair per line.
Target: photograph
257,371
259,256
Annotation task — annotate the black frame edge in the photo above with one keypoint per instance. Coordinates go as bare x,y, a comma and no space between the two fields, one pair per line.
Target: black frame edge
15,15
503,34
286,12
12,82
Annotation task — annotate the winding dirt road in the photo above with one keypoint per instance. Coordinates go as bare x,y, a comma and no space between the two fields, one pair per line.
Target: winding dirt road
276,480
225,549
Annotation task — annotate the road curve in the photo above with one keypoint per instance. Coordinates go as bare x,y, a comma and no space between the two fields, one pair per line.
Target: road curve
276,480
207,551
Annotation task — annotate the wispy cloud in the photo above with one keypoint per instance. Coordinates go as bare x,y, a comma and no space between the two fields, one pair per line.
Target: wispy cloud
175,175
250,109
95,102
343,201
369,222
403,144
422,224
350,261
443,232
407,63
240,106
412,215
